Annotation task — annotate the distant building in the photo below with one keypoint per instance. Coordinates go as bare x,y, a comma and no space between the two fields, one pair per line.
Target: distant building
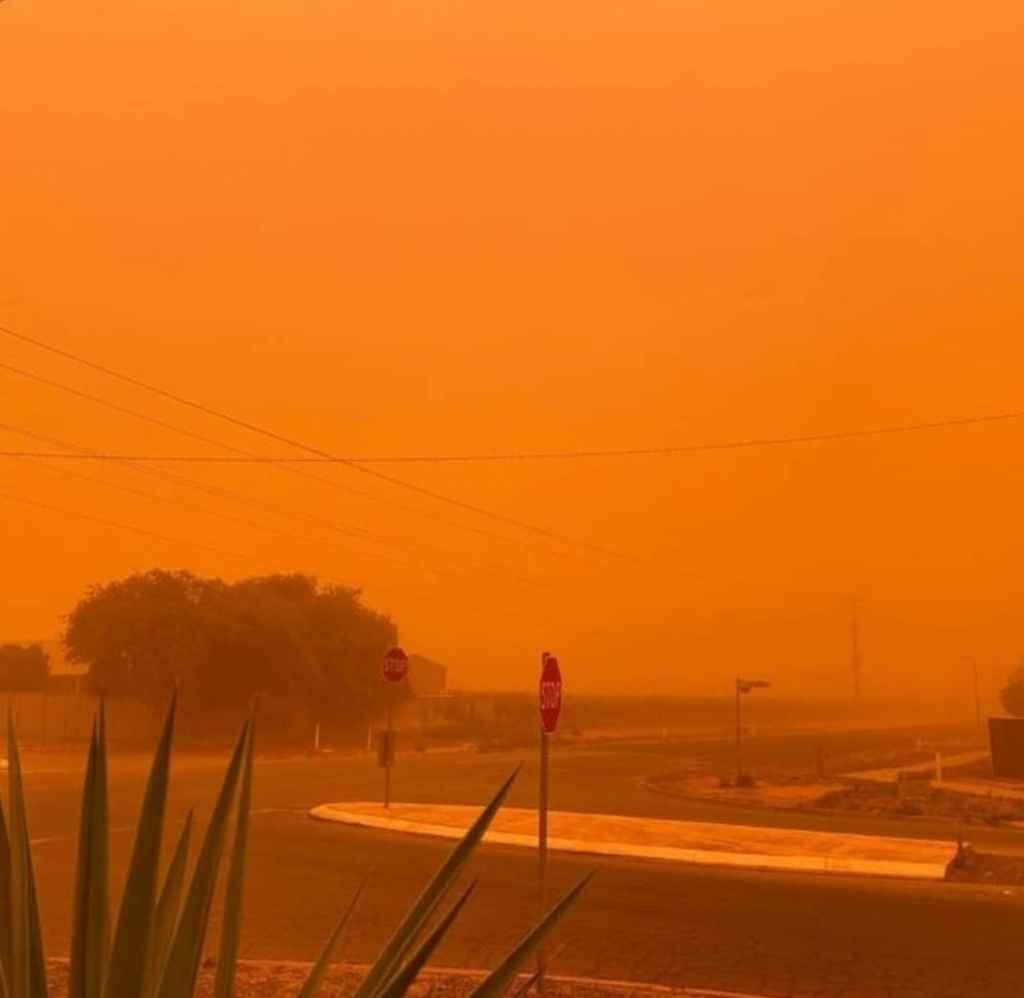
426,677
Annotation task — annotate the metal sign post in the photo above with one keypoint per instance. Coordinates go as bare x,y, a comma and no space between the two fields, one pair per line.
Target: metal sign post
394,669
550,704
388,758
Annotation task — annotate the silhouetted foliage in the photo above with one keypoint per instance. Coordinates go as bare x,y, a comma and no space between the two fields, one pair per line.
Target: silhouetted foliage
1012,695
306,651
23,667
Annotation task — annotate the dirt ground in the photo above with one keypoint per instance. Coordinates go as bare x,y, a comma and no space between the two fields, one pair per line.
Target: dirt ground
990,868
930,801
283,979
829,781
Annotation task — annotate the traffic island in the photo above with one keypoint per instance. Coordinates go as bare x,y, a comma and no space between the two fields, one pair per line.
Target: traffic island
694,842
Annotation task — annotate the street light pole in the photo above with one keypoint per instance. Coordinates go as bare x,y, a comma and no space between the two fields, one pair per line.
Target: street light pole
739,734
743,686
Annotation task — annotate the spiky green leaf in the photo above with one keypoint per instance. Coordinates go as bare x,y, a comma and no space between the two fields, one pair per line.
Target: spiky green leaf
231,927
499,979
90,925
316,974
28,972
406,934
402,981
166,915
526,985
182,967
134,923
5,900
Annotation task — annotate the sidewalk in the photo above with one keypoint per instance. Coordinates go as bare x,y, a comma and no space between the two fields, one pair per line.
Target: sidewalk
892,774
676,841
987,787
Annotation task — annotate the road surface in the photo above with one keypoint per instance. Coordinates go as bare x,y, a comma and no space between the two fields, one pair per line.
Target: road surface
745,931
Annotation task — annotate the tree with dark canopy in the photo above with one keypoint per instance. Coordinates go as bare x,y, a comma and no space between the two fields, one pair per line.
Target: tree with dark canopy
1012,695
304,650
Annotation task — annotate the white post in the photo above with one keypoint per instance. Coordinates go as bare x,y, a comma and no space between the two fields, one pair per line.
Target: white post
316,738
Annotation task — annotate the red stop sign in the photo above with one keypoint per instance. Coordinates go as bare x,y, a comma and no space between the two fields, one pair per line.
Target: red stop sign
550,694
396,665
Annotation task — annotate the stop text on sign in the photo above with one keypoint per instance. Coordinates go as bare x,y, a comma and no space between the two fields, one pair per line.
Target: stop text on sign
550,696
395,665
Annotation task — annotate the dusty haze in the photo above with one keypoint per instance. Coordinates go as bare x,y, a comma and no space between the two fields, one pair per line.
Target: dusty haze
409,228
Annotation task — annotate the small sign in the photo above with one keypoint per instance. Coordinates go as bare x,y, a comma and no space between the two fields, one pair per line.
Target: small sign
550,694
396,665
746,685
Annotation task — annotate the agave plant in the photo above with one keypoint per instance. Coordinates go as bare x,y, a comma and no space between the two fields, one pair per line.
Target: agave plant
157,944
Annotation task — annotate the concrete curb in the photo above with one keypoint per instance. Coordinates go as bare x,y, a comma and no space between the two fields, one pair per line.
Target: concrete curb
900,869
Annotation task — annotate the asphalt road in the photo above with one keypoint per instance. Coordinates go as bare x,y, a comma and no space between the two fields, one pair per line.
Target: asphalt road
700,927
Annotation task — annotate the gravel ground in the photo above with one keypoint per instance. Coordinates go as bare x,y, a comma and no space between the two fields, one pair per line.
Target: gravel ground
281,979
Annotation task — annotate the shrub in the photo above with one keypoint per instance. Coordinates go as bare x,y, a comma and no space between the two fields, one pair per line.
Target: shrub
1012,695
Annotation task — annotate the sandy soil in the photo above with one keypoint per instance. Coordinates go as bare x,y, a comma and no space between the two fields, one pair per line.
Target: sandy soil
284,979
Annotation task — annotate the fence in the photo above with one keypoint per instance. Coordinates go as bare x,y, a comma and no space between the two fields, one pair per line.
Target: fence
48,716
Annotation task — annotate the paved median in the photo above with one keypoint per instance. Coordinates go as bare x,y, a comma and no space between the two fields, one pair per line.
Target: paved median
674,841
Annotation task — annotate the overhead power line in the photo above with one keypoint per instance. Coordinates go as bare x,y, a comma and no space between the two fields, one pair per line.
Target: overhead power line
435,594
290,535
240,452
251,501
828,436
128,528
318,452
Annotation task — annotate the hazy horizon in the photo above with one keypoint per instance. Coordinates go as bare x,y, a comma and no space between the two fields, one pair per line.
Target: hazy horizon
388,231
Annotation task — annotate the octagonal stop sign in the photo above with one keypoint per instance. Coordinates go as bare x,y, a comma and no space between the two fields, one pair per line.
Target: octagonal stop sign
550,694
396,665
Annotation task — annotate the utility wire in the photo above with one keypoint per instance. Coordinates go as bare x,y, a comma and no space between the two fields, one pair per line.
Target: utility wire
316,451
103,521
74,451
183,504
245,454
827,436
247,501
434,594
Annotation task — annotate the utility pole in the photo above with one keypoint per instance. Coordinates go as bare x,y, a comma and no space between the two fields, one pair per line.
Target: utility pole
739,734
856,660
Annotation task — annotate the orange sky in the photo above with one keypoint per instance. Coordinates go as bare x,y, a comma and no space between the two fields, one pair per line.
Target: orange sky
423,228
